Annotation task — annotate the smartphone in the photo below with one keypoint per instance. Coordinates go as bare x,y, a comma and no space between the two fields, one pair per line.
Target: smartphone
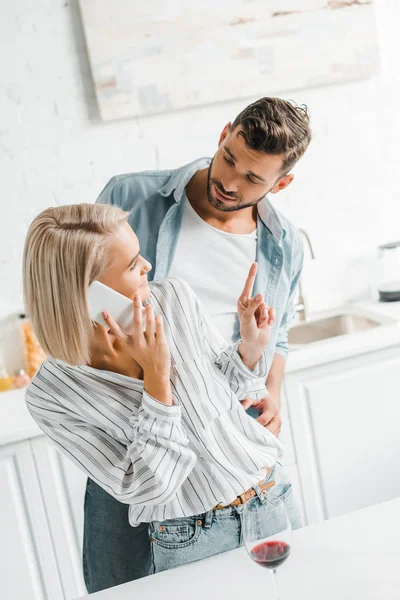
101,298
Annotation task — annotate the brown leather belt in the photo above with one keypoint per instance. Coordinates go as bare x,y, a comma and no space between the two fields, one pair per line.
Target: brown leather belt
243,498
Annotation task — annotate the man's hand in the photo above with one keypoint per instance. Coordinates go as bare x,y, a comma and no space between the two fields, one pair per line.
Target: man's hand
269,409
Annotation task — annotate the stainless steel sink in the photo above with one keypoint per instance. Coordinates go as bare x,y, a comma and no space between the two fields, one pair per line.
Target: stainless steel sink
323,329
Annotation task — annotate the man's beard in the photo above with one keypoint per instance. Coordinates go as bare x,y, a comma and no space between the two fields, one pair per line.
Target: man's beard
220,205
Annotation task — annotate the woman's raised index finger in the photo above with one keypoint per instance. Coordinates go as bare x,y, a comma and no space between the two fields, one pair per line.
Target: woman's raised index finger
248,286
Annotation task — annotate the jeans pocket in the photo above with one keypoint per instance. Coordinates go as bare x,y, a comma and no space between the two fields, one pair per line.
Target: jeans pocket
283,490
175,534
289,501
174,543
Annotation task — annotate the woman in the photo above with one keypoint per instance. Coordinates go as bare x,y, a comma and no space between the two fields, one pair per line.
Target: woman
163,429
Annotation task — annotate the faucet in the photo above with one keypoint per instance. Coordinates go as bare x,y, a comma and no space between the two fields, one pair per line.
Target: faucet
301,305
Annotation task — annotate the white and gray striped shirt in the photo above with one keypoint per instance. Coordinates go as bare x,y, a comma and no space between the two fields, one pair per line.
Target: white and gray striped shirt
164,461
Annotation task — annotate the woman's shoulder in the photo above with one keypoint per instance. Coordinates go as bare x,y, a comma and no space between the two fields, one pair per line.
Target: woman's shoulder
176,301
173,290
51,380
44,385
45,378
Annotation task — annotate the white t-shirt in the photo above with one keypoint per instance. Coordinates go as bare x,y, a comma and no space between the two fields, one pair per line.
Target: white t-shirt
215,264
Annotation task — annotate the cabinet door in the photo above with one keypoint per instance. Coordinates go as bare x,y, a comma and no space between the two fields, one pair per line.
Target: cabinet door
63,488
28,568
345,420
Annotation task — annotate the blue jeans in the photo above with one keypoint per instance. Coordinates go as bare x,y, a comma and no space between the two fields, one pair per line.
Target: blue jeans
114,552
177,542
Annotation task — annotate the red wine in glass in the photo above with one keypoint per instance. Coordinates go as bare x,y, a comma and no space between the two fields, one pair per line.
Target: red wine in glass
270,554
267,535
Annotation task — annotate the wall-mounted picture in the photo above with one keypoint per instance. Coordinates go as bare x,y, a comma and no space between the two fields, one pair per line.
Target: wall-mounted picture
156,56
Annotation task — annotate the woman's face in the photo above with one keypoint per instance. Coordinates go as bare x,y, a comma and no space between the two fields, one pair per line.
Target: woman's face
127,273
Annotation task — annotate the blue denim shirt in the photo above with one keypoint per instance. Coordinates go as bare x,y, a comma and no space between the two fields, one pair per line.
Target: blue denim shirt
153,199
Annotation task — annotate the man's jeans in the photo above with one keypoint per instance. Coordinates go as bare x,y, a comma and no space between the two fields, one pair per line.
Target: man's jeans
114,552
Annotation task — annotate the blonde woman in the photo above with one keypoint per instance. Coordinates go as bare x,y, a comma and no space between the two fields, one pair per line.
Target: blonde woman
153,417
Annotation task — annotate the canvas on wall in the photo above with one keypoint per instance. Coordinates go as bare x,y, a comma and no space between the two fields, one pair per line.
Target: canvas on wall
157,56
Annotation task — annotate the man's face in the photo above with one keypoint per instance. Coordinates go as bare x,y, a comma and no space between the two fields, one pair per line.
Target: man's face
239,177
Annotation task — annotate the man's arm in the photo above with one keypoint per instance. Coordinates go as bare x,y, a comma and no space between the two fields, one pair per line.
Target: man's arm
272,418
275,375
269,406
282,346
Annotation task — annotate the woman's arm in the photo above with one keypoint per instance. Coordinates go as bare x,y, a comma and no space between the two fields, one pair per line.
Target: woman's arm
147,471
243,381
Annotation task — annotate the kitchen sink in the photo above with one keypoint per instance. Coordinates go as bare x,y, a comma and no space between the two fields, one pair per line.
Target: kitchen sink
323,329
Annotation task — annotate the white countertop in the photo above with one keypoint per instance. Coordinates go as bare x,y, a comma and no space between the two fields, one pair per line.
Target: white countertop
352,557
344,346
16,423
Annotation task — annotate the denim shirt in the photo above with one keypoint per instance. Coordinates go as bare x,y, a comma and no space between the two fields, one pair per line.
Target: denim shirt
154,200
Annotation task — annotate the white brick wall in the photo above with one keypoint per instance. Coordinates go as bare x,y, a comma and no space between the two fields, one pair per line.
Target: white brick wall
55,150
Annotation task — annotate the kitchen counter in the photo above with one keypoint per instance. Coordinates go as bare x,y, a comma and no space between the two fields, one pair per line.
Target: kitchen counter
338,348
16,423
352,557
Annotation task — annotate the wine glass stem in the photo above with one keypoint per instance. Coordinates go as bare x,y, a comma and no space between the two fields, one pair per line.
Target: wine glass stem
273,573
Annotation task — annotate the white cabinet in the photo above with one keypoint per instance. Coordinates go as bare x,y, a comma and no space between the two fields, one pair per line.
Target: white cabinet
63,488
28,568
345,421
41,523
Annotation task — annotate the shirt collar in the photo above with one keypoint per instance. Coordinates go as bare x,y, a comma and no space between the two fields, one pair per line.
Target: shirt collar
181,177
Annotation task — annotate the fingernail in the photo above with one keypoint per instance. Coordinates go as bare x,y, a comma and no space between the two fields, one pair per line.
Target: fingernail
136,297
270,322
258,297
105,315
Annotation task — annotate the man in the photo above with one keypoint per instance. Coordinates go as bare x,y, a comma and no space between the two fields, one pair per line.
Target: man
206,223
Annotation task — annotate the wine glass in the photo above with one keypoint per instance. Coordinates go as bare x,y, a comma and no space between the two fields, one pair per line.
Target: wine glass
267,534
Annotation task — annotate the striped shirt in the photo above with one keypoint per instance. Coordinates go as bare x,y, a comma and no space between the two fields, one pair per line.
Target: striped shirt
164,461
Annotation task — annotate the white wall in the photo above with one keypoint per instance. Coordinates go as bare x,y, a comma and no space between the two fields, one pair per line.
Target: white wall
55,150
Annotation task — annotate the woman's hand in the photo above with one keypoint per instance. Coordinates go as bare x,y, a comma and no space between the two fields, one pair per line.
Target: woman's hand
256,320
148,348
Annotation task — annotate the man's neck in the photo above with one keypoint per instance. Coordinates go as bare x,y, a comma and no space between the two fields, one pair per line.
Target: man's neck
238,221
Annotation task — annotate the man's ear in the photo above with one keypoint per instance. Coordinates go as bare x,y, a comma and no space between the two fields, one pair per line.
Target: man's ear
282,183
224,133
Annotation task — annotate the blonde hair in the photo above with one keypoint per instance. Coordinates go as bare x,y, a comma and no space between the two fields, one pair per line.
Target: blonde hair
65,250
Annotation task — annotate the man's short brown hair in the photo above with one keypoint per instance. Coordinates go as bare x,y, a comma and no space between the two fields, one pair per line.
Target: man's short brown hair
275,126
